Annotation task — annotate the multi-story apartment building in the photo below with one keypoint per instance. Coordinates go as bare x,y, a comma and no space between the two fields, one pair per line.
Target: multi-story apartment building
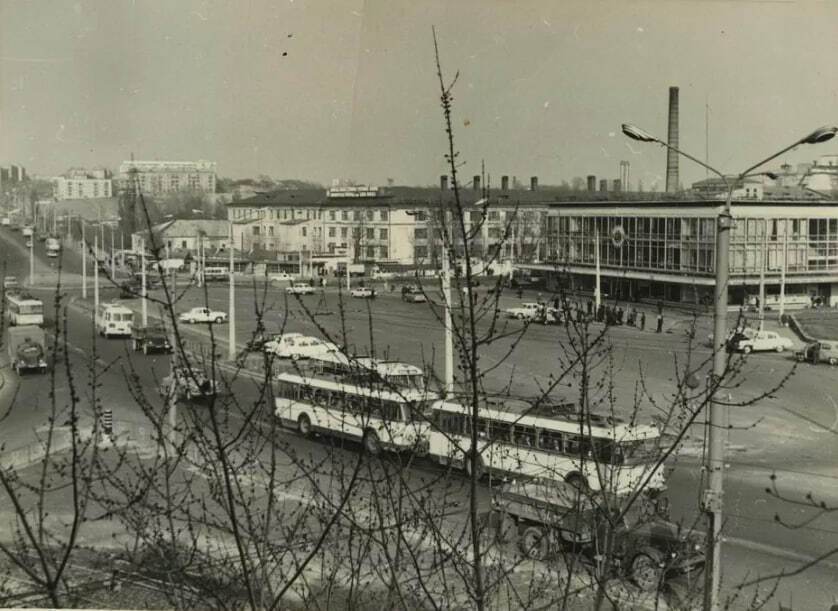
11,176
392,225
162,177
78,183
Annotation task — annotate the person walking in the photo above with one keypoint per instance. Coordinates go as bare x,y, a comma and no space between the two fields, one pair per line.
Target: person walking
660,323
643,321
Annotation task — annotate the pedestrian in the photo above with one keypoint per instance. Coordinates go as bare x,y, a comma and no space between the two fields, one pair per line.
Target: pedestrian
540,298
620,315
660,323
520,293
590,307
643,321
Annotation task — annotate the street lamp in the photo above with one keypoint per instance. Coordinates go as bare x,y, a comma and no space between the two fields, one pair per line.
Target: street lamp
712,499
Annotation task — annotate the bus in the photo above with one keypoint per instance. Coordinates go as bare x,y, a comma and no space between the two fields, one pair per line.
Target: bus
53,246
378,418
114,319
549,442
24,309
367,370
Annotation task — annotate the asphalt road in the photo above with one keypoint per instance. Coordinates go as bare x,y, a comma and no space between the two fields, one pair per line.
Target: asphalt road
792,434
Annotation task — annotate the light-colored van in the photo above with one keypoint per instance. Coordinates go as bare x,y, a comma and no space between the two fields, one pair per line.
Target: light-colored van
214,274
113,319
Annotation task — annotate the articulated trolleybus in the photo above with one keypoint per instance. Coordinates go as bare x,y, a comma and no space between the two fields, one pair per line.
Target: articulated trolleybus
599,453
376,416
23,309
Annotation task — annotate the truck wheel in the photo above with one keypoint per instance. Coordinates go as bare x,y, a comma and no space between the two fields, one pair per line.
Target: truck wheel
304,425
646,571
747,349
519,316
833,361
534,543
372,444
779,348
577,481
219,320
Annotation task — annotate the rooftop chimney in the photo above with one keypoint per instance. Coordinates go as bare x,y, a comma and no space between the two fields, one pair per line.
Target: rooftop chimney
476,182
617,185
672,139
533,183
504,183
603,185
591,183
443,182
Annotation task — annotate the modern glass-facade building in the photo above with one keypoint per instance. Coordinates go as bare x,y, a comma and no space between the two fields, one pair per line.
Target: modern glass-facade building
666,250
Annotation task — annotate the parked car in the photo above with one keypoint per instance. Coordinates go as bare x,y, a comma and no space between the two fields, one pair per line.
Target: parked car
196,315
413,294
131,288
551,316
363,292
10,283
281,277
300,288
818,352
150,339
187,384
761,341
525,311
297,346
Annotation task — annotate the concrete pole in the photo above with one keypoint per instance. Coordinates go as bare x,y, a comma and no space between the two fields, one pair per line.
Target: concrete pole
231,352
348,277
449,323
300,260
32,261
764,261
113,258
597,291
83,262
712,501
783,270
96,274
121,249
144,292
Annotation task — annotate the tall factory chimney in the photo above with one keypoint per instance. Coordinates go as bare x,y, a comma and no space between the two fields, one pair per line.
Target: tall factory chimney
672,139
443,182
504,183
533,183
476,182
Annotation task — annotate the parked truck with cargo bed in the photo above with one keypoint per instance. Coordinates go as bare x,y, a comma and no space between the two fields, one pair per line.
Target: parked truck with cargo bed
646,547
27,349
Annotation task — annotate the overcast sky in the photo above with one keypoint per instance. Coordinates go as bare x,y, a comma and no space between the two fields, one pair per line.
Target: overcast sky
347,89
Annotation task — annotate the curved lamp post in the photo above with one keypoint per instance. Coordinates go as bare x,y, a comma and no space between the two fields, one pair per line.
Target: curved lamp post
712,499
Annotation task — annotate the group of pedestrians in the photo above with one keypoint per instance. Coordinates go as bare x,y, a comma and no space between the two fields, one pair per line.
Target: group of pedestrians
610,315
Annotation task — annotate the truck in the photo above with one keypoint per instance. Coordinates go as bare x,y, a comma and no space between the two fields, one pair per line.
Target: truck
150,339
28,231
647,547
53,246
26,345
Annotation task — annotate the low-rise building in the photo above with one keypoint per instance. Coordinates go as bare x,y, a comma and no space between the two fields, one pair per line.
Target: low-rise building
181,236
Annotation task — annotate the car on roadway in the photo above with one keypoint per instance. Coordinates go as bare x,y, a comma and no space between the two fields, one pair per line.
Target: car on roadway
818,352
196,315
187,384
525,311
363,292
297,346
29,243
551,316
281,277
10,283
413,294
300,288
762,341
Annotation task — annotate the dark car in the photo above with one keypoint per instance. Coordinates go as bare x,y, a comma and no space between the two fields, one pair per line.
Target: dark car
150,339
131,288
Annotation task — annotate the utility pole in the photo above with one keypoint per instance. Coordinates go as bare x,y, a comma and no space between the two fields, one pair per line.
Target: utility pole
232,324
763,260
113,258
83,261
96,275
32,261
597,291
783,269
144,285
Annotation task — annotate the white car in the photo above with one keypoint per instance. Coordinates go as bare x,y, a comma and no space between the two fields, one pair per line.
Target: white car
300,288
281,277
297,346
203,315
525,311
763,340
363,292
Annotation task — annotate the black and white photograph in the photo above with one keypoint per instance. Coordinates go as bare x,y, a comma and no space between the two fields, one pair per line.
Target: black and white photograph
419,305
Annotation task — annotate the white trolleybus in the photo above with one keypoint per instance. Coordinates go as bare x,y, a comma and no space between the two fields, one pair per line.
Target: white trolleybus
550,443
375,415
366,370
23,309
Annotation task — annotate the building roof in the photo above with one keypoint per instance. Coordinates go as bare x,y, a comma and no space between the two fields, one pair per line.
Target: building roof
91,209
189,228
